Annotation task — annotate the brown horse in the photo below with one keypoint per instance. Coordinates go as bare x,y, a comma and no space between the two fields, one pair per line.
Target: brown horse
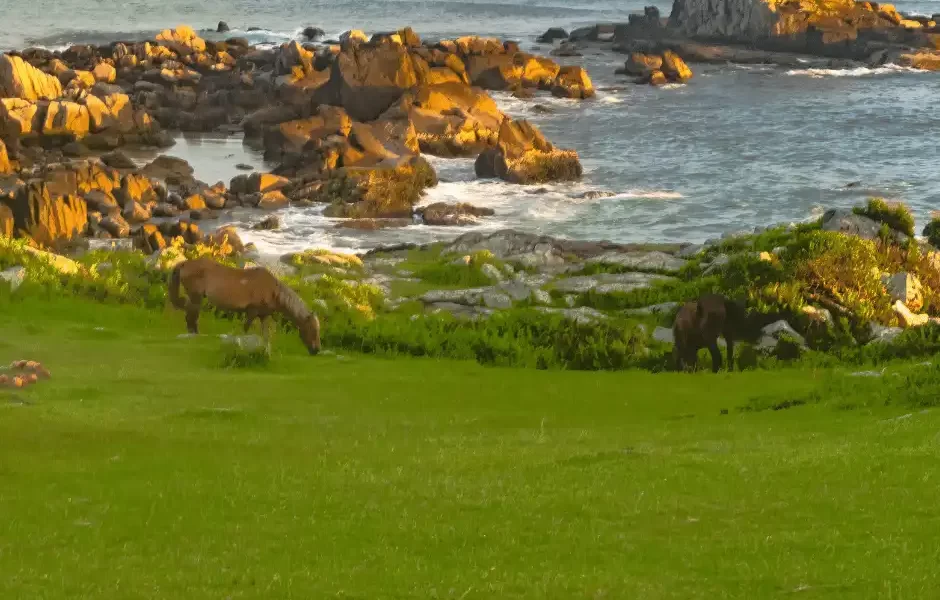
698,325
255,292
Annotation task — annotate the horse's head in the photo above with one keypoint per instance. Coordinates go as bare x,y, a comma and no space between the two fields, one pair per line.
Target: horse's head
310,333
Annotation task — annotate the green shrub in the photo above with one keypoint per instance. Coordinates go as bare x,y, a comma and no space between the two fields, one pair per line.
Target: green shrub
450,270
932,232
895,215
845,269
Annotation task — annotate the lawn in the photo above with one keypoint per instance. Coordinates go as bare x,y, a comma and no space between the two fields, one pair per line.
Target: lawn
144,469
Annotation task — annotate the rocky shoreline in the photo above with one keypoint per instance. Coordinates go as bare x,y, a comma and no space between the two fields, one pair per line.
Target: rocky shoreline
346,123
841,33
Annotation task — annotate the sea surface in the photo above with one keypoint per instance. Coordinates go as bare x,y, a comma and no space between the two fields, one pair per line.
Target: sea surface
738,147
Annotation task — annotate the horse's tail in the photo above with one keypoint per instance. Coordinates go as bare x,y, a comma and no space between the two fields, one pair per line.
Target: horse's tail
175,298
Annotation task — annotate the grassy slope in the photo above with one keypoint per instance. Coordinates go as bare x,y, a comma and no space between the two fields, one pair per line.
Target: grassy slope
144,470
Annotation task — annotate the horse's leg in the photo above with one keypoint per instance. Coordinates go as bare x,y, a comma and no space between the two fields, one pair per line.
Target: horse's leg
716,355
729,339
250,316
266,331
192,313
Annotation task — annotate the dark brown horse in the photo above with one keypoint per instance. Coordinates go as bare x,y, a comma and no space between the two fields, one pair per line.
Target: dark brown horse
255,292
699,324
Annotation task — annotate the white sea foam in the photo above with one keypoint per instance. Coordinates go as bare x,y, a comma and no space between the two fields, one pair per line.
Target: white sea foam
888,69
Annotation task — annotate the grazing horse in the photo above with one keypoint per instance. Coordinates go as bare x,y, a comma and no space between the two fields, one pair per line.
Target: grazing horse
698,325
255,292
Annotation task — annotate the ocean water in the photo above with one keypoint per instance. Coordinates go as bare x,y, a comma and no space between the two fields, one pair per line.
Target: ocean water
735,148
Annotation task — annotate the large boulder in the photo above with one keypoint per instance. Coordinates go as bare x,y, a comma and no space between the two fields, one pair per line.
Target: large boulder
389,190
524,156
67,119
453,119
48,217
448,215
182,40
5,167
366,79
19,117
19,79
573,82
292,137
7,223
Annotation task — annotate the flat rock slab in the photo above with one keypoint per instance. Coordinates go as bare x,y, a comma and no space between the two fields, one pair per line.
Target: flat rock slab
607,283
642,261
499,296
460,310
656,309
583,314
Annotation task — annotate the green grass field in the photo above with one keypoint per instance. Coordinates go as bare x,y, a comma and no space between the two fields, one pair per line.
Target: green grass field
144,469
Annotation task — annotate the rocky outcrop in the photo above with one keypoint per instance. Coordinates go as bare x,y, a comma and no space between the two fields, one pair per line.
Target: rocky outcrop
657,69
5,167
573,82
382,191
837,28
44,213
366,79
523,155
19,79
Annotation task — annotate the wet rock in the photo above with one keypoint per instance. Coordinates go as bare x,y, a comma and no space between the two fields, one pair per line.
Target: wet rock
313,33
75,150
674,68
273,200
444,214
642,65
554,33
567,49
269,223
524,156
118,160
168,168
244,167
573,82
373,224
222,27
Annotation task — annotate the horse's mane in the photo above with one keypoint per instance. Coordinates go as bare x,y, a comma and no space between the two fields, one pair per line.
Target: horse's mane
291,303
